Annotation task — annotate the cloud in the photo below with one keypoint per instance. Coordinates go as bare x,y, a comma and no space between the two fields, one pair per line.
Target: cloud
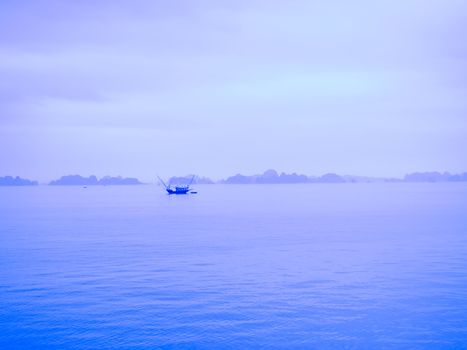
300,69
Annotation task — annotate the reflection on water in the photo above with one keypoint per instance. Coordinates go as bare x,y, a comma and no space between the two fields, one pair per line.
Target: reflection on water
361,266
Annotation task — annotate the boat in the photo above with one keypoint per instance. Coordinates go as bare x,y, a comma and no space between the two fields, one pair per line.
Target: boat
182,189
178,190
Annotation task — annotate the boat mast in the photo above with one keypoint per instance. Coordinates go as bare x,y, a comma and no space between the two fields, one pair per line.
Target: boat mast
162,182
193,177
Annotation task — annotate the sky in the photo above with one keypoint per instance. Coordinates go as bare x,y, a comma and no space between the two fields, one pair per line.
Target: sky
216,88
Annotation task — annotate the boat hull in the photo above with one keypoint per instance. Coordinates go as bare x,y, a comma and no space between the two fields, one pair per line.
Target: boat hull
177,191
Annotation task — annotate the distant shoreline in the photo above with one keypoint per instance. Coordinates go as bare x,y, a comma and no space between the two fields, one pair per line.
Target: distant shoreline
268,177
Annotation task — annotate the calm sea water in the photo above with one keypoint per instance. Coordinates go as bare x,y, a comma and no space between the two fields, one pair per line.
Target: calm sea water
330,266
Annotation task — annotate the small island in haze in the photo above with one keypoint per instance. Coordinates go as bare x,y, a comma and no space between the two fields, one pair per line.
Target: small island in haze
16,181
273,177
77,180
194,179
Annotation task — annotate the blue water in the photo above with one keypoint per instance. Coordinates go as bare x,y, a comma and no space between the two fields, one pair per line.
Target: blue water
318,266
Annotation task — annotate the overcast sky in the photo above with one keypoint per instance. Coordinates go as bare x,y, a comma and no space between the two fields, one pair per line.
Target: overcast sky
139,88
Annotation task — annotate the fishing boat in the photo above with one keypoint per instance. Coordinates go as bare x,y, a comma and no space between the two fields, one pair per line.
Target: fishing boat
181,189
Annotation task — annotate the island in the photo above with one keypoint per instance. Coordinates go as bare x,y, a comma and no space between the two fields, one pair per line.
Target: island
194,179
16,181
271,176
434,176
77,180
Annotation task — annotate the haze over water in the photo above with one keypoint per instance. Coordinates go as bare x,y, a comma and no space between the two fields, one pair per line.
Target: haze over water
315,266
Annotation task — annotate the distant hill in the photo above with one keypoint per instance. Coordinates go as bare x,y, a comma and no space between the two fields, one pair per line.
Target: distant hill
16,181
330,178
268,177
434,176
239,179
108,180
77,180
272,177
184,180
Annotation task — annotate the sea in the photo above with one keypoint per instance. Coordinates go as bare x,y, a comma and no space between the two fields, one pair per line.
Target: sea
302,266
